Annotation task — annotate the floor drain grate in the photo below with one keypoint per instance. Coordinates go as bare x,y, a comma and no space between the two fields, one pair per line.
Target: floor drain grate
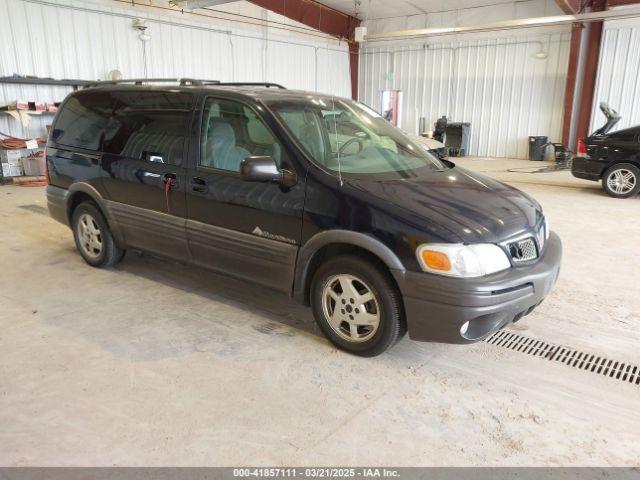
589,362
35,209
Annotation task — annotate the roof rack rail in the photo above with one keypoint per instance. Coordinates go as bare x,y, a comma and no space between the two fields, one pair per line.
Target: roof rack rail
183,82
252,84
140,81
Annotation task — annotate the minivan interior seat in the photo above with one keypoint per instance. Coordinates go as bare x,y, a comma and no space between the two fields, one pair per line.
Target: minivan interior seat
160,142
222,151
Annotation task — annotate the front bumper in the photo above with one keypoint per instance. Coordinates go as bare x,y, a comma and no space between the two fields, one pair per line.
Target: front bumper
437,307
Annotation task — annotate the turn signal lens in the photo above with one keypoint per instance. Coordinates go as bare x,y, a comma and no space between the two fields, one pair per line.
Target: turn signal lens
436,260
460,260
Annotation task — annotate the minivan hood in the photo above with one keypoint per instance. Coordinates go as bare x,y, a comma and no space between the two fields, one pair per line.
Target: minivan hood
471,206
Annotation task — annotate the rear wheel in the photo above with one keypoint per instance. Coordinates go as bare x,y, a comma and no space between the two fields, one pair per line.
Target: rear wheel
93,237
622,180
357,305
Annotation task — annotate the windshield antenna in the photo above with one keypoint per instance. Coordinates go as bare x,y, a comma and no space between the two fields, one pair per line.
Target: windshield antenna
335,127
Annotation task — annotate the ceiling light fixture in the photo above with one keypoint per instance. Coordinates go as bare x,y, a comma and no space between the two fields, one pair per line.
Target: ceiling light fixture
140,24
540,54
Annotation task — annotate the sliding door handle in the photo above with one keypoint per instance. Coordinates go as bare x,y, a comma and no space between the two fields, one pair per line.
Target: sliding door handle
171,179
199,184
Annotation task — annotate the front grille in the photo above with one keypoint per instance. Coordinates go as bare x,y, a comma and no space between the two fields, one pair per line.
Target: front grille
523,250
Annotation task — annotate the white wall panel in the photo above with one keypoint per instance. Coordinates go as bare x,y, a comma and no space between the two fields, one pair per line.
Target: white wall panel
618,80
496,84
86,40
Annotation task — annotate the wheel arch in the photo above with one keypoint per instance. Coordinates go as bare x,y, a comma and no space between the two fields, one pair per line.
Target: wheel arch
334,242
82,191
635,161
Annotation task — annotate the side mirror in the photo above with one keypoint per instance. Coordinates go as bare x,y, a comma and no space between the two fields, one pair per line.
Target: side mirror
259,169
264,169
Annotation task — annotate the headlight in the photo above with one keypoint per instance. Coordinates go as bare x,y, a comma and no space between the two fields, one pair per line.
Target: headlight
458,260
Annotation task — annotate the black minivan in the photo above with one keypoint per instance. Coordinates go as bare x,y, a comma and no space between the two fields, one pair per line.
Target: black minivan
314,196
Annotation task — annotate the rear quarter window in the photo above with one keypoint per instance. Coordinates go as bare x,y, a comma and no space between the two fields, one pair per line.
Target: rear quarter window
82,120
149,123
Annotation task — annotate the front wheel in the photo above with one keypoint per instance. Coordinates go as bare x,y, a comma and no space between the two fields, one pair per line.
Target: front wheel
621,180
357,305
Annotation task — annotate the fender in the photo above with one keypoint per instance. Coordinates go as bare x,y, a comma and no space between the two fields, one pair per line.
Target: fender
103,204
633,160
322,239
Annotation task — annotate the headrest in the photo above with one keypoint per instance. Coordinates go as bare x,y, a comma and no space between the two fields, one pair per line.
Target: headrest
222,132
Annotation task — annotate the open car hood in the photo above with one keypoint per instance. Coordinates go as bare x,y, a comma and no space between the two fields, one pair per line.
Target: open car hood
428,143
612,118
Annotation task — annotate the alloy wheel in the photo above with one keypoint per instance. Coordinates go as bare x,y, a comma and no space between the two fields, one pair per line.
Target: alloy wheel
89,236
350,307
621,181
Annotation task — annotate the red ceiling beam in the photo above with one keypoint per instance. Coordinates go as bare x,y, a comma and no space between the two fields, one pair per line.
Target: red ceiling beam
570,7
314,15
617,3
325,19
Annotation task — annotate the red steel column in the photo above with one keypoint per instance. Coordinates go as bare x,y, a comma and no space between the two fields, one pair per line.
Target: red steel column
325,19
590,72
572,77
354,65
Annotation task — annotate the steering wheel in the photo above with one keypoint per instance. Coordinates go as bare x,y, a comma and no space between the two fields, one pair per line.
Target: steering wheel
349,142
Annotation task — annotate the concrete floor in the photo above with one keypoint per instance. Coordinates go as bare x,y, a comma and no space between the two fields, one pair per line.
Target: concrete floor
154,363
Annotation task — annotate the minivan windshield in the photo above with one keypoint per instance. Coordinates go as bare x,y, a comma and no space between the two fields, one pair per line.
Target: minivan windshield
349,138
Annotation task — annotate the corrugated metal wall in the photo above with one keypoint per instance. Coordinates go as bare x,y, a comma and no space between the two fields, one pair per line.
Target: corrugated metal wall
618,79
496,84
78,39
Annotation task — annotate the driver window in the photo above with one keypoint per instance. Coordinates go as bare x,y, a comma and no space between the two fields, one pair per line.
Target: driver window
230,133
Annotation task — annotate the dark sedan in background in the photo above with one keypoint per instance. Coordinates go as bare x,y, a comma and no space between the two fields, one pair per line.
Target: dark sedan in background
613,158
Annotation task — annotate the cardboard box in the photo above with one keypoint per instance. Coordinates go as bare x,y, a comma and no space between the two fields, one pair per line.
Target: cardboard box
33,166
18,105
12,157
9,170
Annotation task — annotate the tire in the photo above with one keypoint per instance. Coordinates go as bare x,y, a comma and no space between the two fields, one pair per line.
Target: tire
363,281
93,237
622,180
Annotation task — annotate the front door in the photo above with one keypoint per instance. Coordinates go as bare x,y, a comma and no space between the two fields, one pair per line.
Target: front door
248,230
144,171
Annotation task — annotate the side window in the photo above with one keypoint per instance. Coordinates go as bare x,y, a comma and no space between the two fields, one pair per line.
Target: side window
305,126
149,126
231,132
82,120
